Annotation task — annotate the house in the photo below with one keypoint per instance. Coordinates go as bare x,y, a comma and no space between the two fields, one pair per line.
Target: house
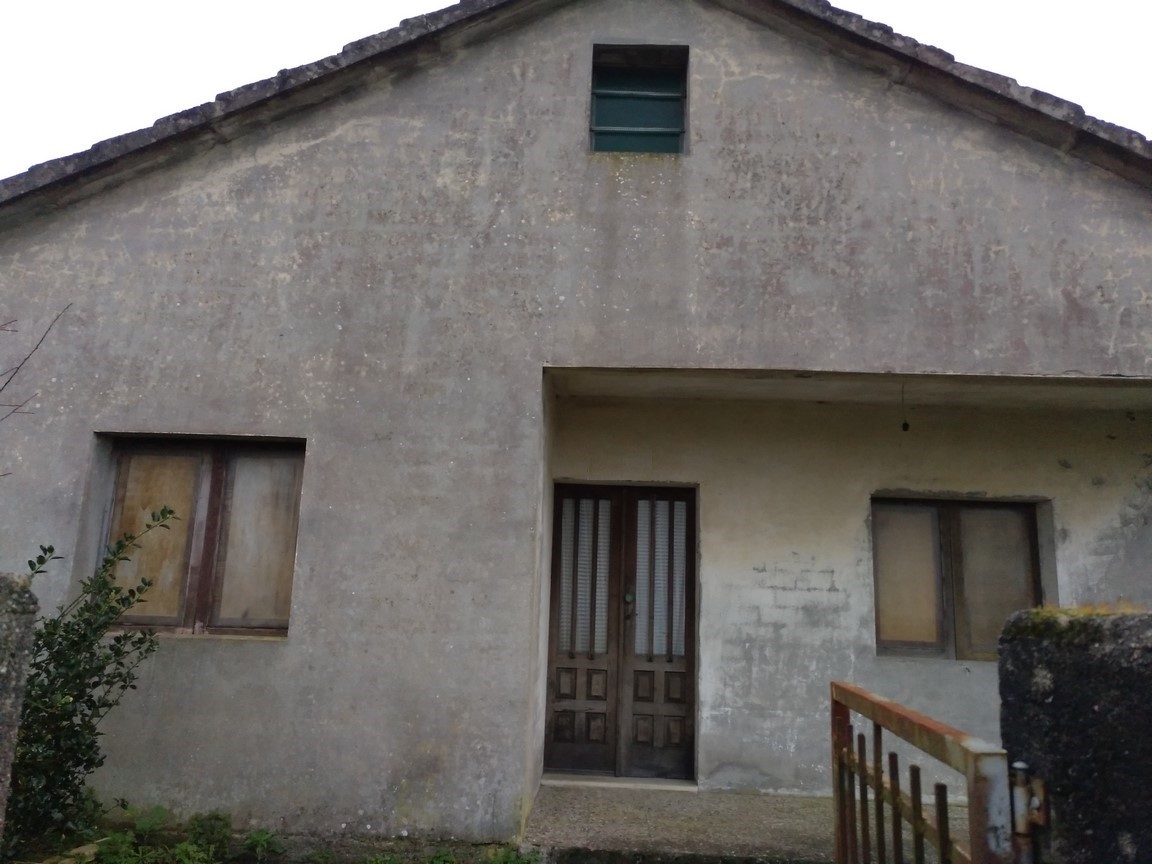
579,387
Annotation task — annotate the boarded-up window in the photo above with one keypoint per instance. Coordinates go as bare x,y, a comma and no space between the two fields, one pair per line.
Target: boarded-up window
949,573
227,564
907,556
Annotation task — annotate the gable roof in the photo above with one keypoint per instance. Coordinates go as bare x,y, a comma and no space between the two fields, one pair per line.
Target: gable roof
1039,115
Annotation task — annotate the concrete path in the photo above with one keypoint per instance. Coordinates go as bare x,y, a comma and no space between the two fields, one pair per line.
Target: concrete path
675,820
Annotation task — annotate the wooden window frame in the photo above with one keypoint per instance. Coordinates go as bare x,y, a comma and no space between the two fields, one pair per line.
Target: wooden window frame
205,548
950,574
672,59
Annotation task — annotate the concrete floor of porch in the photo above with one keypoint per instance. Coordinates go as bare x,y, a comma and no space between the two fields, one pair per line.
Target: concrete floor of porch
609,820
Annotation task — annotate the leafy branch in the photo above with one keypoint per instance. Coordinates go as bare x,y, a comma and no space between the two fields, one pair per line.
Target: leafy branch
80,669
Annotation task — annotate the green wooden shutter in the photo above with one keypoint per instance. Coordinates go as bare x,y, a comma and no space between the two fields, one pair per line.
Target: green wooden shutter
638,109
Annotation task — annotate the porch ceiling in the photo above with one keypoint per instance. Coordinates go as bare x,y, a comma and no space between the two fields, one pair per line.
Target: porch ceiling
937,390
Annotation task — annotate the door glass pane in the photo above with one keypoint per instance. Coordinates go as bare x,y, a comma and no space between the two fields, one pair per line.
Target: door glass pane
604,544
679,571
906,572
567,529
584,576
643,574
997,575
258,542
660,581
152,481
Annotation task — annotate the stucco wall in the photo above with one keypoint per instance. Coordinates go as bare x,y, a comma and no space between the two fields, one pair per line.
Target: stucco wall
385,276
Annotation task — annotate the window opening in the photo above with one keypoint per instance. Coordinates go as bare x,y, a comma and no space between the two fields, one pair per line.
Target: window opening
949,573
639,97
226,565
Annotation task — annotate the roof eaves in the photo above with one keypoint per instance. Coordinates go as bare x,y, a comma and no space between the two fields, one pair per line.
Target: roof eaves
232,102
1113,147
1051,106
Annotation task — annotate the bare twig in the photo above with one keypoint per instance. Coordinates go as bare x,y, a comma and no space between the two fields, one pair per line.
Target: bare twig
15,370
18,408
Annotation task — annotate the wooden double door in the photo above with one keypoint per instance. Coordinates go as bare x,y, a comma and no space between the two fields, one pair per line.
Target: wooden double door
622,645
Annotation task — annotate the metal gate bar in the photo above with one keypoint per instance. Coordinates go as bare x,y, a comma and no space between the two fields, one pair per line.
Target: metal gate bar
984,766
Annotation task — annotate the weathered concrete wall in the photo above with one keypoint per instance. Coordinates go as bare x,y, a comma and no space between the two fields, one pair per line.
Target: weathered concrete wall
17,621
1077,707
387,274
786,600
538,667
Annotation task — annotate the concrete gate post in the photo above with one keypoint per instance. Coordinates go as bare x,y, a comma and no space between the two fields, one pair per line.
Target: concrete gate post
17,621
1076,706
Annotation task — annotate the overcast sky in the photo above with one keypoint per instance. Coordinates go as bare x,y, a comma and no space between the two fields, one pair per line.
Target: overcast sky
74,72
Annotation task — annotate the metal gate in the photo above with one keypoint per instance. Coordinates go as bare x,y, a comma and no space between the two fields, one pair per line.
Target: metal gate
879,819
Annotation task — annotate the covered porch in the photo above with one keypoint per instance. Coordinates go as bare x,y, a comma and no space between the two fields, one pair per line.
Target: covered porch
785,472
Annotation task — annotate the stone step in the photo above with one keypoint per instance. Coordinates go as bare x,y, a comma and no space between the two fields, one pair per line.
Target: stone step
619,856
635,823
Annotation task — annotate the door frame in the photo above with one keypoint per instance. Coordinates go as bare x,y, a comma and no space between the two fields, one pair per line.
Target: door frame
692,610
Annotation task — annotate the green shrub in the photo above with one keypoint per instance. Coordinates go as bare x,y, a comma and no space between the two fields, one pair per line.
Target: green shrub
77,674
203,839
261,843
511,855
148,824
211,832
187,852
124,847
118,848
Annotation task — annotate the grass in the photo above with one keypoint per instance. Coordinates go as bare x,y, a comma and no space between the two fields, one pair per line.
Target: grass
152,837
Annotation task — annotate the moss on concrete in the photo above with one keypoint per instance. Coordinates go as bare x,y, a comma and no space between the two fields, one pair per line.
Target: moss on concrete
1076,704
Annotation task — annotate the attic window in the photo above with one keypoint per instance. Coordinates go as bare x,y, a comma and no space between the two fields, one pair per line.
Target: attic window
639,94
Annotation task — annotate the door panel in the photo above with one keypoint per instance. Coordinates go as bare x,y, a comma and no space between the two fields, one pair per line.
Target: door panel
657,711
621,678
582,685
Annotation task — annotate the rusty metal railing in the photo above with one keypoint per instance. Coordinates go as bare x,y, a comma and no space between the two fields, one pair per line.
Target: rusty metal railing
866,784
